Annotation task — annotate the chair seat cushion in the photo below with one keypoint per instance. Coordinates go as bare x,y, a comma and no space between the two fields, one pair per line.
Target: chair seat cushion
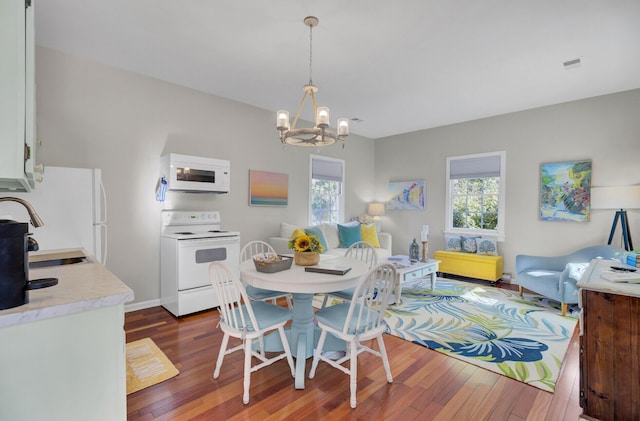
346,294
266,314
543,282
335,316
262,294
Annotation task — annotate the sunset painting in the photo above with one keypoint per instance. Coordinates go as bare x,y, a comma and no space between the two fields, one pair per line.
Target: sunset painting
268,188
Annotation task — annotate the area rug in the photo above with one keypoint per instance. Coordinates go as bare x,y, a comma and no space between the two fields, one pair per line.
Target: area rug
147,365
493,328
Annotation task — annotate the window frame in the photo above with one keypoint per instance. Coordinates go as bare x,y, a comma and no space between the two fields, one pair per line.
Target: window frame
341,196
499,234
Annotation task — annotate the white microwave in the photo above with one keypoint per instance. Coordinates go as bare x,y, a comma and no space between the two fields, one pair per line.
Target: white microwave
196,173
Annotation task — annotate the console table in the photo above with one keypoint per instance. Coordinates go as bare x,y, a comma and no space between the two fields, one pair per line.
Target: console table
609,346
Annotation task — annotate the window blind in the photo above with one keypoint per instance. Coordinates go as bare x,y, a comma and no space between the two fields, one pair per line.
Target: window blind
322,169
488,166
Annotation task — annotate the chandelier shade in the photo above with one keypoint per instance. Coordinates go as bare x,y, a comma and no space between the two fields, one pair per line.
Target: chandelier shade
321,134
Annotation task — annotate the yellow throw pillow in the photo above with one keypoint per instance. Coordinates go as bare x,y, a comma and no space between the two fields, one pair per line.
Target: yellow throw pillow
298,232
369,234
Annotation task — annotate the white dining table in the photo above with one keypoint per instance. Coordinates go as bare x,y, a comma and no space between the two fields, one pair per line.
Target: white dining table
303,334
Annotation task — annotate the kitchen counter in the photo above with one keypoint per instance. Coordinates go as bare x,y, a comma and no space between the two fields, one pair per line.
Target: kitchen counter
81,287
65,349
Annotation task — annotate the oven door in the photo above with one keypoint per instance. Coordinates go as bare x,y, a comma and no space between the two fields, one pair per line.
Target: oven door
195,256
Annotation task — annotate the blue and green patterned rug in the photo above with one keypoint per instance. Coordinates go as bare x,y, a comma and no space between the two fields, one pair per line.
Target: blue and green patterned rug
494,328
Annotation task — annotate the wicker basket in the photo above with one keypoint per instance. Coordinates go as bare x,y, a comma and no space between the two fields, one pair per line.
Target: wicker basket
306,258
272,267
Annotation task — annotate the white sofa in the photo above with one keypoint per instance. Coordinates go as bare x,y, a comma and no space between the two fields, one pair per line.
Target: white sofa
330,232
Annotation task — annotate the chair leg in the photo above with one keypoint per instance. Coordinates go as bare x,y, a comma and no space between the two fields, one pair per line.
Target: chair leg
287,350
520,290
385,359
289,303
565,307
247,370
223,349
324,302
353,370
316,357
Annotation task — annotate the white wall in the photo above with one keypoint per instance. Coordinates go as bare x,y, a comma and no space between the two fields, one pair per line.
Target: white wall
604,129
92,115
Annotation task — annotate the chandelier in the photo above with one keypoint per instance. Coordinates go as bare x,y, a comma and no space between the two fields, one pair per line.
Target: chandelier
320,134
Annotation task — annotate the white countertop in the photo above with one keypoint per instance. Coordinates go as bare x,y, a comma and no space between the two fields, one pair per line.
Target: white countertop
81,287
591,279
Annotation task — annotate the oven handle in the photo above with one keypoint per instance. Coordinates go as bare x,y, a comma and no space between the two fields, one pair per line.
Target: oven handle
210,240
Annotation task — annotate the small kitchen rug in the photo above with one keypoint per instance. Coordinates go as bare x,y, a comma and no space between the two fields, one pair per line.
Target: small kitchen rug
147,365
493,328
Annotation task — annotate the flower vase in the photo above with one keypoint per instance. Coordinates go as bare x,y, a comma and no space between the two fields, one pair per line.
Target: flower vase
306,258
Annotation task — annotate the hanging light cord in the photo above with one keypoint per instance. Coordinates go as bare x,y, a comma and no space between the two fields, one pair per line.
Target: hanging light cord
310,53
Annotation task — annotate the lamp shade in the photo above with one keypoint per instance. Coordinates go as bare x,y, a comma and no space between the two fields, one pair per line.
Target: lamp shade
376,209
615,197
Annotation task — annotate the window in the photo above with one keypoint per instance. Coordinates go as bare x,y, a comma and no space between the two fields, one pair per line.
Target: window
476,194
326,199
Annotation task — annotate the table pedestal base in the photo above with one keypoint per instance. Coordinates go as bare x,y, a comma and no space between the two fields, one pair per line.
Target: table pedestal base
302,336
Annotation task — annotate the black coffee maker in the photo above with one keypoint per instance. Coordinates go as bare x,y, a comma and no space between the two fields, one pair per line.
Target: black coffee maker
15,244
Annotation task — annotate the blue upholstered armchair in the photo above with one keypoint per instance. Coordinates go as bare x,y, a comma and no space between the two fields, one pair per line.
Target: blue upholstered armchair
556,277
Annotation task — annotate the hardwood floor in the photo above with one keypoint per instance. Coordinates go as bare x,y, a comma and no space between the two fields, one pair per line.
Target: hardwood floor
427,385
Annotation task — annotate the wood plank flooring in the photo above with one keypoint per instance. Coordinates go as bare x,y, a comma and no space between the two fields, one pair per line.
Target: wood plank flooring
427,385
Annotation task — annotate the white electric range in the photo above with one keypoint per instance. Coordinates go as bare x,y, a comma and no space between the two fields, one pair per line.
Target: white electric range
190,241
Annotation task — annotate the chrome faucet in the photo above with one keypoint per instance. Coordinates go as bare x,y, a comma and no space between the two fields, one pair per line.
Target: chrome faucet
35,219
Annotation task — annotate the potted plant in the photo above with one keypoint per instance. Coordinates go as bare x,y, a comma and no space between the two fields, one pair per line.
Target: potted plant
306,249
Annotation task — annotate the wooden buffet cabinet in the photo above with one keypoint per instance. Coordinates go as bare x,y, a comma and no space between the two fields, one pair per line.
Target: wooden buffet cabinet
609,346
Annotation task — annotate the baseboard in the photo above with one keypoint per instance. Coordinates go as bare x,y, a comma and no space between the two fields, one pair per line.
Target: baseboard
141,305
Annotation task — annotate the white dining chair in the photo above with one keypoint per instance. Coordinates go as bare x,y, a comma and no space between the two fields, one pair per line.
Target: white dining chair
247,320
248,251
360,250
360,320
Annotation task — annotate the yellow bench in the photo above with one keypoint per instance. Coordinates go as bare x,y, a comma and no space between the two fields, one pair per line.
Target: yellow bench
470,265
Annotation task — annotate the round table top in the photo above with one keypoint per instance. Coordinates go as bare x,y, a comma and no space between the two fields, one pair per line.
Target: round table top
296,280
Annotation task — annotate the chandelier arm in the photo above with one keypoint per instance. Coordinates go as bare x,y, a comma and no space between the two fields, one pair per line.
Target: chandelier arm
295,119
315,108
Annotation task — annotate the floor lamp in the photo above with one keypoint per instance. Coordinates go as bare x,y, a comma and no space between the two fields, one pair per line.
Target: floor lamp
620,198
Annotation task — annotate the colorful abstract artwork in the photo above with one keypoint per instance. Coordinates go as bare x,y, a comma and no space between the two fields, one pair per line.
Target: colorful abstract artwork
565,191
406,195
268,188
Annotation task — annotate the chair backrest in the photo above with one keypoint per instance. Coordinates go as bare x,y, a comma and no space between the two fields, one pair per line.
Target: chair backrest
255,247
231,293
373,291
364,251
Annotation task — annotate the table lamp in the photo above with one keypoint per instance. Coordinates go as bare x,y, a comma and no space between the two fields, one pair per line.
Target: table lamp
376,210
620,198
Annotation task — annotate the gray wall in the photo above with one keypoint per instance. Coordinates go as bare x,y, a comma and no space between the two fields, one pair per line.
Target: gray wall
95,116
91,115
604,129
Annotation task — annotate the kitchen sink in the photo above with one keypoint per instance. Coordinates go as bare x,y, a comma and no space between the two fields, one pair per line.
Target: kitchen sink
57,262
45,259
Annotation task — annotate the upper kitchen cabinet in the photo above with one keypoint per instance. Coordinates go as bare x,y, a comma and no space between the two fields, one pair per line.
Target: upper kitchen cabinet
17,101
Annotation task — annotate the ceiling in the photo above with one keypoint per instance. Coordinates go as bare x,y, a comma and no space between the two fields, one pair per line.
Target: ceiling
399,66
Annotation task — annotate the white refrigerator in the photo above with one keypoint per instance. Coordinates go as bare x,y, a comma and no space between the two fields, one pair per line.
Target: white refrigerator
72,205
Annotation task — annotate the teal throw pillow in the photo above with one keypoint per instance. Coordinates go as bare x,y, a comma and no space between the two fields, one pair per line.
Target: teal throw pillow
349,235
318,233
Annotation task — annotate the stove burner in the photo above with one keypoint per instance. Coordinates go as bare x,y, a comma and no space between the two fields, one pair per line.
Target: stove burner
185,233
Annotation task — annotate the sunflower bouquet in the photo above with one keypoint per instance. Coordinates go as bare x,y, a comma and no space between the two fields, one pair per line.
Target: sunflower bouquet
306,243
